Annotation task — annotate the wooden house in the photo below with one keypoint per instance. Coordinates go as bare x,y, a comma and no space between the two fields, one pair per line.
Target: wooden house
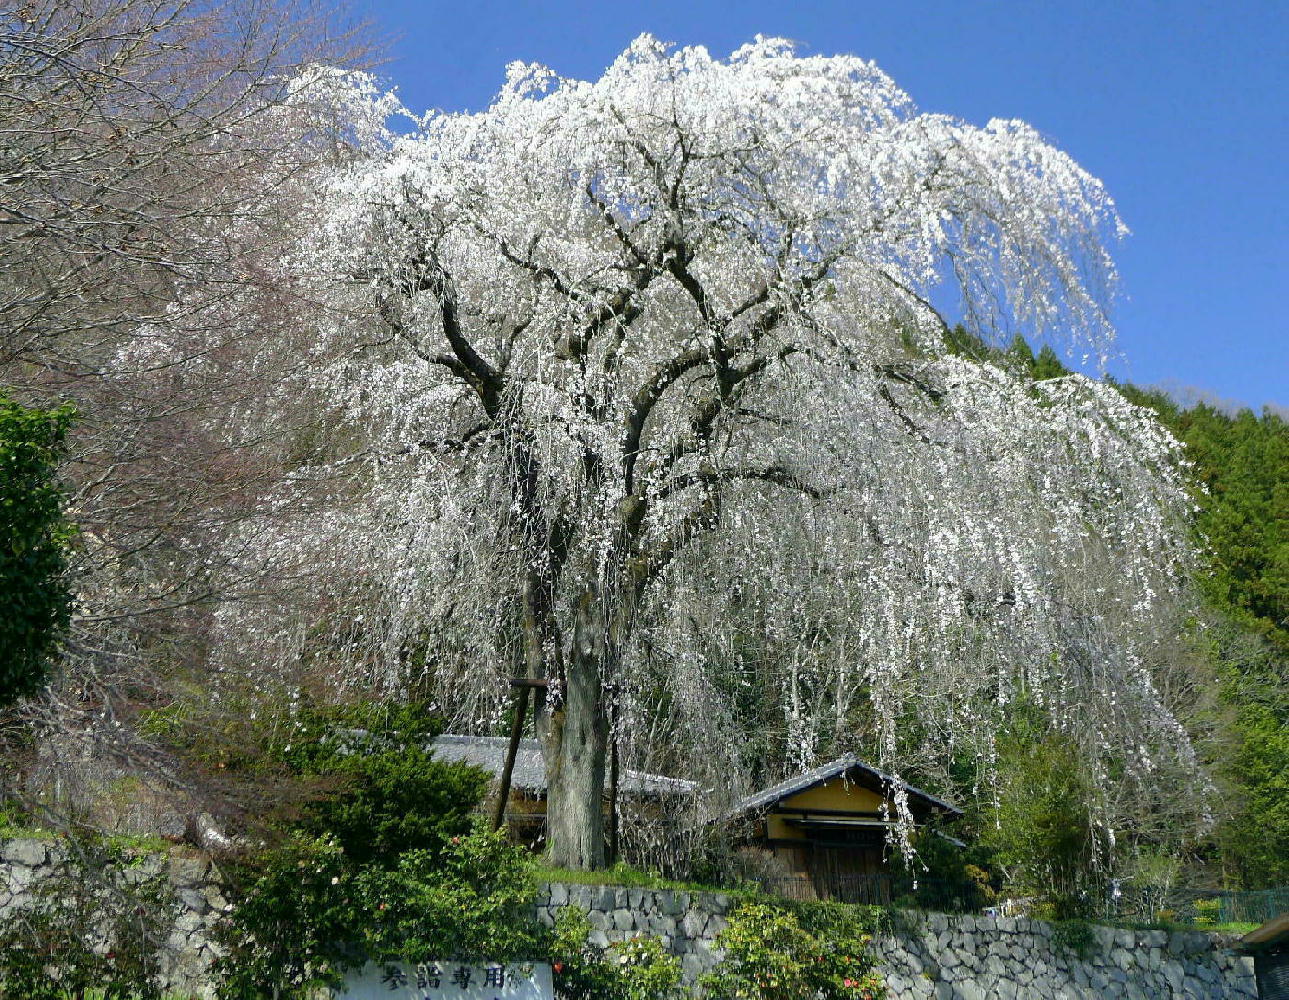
824,834
525,809
819,835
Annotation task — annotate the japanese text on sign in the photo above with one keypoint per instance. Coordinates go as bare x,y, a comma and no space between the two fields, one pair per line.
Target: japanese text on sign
449,981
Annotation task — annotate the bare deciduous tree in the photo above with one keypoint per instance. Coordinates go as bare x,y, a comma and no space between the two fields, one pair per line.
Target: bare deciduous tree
146,169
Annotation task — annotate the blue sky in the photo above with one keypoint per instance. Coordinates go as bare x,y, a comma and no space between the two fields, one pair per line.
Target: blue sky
1182,108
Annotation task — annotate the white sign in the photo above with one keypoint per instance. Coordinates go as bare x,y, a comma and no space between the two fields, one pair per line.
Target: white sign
449,981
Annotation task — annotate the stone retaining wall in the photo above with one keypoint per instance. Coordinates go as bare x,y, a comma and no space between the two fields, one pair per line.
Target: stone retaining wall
188,949
939,957
923,956
686,922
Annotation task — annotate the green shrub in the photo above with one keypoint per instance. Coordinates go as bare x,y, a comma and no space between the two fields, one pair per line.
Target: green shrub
394,802
636,969
1043,834
384,865
473,902
945,876
308,913
361,773
292,929
773,952
388,794
1074,936
316,738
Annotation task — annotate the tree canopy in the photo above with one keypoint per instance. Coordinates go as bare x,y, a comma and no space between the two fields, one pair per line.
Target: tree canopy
1241,466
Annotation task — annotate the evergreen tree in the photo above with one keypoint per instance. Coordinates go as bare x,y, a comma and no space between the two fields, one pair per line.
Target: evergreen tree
1242,463
35,603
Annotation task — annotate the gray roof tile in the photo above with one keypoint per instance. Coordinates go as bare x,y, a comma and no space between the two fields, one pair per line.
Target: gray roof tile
529,774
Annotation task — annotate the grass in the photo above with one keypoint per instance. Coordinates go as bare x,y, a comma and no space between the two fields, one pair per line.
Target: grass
625,876
15,826
1231,927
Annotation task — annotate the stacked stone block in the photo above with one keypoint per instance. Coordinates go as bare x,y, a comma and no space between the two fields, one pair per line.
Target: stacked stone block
189,948
939,957
686,923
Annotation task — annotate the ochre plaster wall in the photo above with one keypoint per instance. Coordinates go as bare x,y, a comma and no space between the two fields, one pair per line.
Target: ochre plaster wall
834,794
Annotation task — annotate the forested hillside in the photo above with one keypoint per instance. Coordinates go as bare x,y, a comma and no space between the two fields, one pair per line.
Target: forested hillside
1240,469
1241,461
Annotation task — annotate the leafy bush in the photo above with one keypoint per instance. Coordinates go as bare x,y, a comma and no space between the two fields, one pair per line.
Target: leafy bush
396,801
292,929
392,795
1074,936
636,969
309,913
945,876
362,773
316,739
1044,837
773,952
472,903
383,866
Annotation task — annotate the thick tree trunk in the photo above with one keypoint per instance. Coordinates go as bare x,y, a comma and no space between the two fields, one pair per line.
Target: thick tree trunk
575,750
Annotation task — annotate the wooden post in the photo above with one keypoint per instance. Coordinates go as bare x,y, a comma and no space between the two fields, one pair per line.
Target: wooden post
539,705
516,731
613,776
524,685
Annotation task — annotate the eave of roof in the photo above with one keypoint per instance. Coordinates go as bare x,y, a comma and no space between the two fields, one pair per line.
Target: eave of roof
1273,932
817,776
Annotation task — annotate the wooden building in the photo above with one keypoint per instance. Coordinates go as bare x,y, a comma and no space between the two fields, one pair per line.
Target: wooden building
1269,946
824,834
525,811
819,835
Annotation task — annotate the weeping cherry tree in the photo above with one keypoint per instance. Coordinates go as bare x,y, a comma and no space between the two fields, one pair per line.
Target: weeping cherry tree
631,370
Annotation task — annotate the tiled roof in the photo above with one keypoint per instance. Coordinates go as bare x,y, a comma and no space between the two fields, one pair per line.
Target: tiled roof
842,765
529,774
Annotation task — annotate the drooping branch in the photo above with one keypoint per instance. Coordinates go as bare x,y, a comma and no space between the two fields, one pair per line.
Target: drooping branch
622,309
699,521
624,237
646,398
